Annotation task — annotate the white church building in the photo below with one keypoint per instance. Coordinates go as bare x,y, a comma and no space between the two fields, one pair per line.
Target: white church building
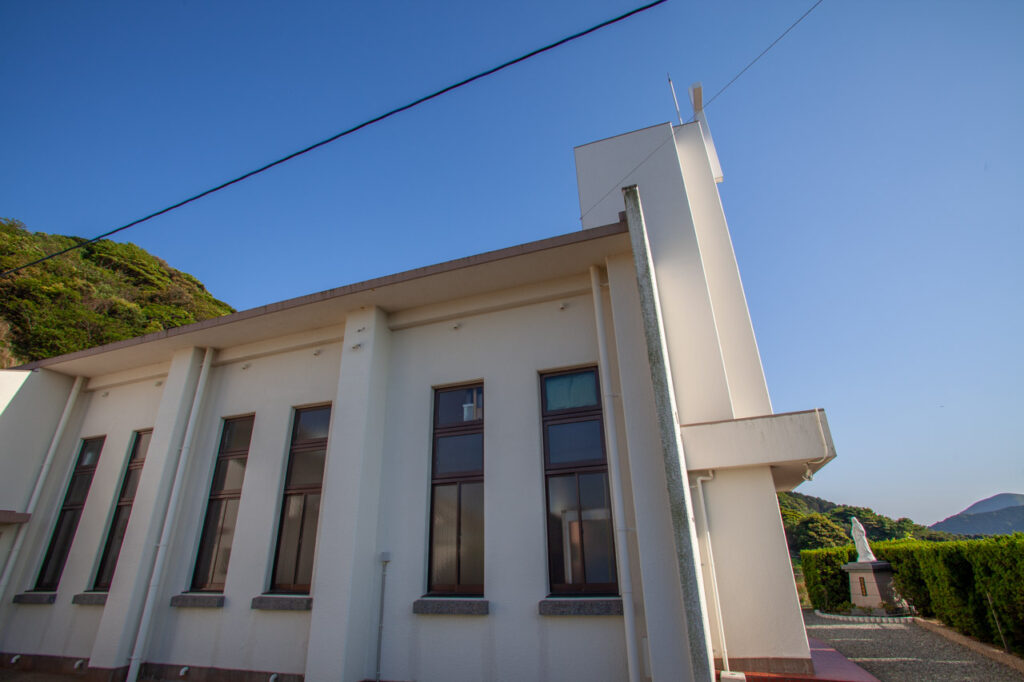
555,461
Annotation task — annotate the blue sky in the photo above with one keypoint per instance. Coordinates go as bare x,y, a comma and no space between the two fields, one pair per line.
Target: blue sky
873,176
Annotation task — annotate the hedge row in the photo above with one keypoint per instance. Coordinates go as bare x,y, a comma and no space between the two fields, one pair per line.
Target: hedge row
974,586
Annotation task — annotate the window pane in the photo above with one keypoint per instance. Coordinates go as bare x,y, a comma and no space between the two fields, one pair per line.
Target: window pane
307,547
459,405
228,474
307,467
131,484
471,537
78,489
225,535
288,541
459,453
598,547
57,553
237,434
312,424
564,536
575,442
141,446
208,545
442,535
113,548
566,391
90,452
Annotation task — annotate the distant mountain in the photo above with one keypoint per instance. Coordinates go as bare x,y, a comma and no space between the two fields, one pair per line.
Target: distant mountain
995,503
999,522
996,515
102,292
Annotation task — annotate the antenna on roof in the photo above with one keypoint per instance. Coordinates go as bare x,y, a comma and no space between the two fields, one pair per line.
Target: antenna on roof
674,98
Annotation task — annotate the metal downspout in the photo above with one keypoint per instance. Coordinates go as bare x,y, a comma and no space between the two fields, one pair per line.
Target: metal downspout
615,481
19,539
715,598
156,577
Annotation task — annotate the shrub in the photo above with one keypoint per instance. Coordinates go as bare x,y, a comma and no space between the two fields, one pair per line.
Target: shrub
973,586
827,584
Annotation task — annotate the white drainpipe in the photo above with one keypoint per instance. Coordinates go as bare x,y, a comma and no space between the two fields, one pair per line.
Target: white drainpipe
716,599
615,483
156,577
19,538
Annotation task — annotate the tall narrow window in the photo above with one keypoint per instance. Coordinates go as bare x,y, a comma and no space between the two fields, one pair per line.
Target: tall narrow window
70,513
581,554
296,538
222,509
115,536
457,494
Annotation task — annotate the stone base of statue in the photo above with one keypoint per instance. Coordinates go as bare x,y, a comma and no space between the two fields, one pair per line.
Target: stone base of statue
871,586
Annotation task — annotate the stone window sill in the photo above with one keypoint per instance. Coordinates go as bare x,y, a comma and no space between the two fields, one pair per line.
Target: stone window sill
90,599
13,517
35,598
282,602
198,600
581,606
447,606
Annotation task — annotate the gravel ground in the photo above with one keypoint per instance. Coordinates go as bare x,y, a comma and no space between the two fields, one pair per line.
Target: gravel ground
896,652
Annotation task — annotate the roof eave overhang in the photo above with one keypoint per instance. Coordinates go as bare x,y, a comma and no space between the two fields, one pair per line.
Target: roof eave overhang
529,263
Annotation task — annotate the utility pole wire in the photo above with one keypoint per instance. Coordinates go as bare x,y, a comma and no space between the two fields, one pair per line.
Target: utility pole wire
321,143
618,185
763,53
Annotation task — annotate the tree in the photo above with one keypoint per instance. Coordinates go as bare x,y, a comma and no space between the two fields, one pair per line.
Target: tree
816,530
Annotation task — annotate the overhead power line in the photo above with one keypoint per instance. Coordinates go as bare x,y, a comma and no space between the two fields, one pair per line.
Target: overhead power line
763,53
782,35
338,136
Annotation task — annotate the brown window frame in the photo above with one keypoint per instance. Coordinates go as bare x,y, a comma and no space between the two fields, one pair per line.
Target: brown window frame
60,544
475,426
277,585
206,544
553,470
125,499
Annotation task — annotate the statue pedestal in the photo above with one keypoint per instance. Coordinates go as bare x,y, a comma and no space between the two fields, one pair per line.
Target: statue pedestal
871,585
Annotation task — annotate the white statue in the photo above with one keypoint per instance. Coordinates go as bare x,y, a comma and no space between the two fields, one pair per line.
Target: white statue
860,539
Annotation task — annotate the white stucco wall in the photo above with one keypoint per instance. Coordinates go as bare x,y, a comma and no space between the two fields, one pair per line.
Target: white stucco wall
63,628
715,368
760,607
26,397
506,350
236,636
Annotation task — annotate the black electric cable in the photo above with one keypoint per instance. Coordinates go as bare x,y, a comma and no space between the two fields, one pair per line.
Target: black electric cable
321,143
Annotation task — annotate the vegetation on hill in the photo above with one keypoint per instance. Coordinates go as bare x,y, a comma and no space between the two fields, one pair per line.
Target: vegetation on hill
104,292
813,523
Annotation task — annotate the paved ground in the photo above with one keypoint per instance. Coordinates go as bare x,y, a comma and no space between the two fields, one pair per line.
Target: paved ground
892,652
896,652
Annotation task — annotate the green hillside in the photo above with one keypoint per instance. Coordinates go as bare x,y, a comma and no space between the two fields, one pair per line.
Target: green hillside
103,292
813,523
